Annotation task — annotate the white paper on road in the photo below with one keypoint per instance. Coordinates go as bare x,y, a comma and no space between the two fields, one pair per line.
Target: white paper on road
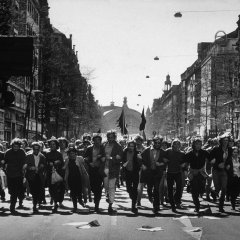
150,229
184,217
211,218
76,223
193,229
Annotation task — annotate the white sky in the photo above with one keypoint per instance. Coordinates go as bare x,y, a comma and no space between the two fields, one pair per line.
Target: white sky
118,39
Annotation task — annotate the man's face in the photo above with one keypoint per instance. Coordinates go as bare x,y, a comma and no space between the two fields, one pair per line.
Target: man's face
225,142
157,144
176,146
97,141
36,150
131,147
62,144
53,145
111,138
138,142
198,145
15,147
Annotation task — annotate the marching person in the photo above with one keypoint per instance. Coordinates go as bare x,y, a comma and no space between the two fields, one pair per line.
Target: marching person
233,169
15,160
54,160
113,156
154,167
139,148
35,174
220,157
74,177
197,158
131,166
94,157
174,159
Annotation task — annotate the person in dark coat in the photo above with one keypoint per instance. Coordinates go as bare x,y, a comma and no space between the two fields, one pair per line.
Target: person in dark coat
131,165
220,158
153,168
197,158
35,174
14,159
233,169
94,157
73,177
54,160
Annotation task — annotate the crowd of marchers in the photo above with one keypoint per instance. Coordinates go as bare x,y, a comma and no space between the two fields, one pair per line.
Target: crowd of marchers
86,168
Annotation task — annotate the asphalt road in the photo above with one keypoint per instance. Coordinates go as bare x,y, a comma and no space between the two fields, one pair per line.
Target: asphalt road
123,226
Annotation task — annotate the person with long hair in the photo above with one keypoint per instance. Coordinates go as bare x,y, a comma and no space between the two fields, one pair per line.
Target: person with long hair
131,166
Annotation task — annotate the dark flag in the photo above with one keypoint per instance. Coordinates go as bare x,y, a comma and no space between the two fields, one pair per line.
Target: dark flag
122,123
143,123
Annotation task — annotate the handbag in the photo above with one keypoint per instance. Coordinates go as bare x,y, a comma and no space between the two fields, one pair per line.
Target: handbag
55,178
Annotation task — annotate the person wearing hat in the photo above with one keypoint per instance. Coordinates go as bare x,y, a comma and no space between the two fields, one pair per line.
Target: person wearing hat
35,174
94,157
196,159
54,161
153,167
219,158
14,159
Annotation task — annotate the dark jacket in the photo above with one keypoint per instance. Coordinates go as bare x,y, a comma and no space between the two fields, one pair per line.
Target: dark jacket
217,153
15,161
114,164
136,161
147,161
30,174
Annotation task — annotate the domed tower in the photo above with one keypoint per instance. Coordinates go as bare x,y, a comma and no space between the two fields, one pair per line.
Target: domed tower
167,84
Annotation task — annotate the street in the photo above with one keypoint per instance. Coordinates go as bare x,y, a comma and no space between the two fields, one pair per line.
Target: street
61,226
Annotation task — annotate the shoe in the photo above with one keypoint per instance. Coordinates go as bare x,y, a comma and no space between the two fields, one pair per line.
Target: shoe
14,212
111,210
139,204
156,210
174,209
221,209
55,208
20,207
134,210
35,210
179,206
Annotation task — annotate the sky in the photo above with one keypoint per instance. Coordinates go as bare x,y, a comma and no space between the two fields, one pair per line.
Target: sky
117,41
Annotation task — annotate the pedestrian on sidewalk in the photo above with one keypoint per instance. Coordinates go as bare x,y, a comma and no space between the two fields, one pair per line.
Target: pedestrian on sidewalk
113,156
94,158
35,171
15,159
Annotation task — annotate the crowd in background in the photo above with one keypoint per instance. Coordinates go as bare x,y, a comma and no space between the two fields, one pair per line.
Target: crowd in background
87,167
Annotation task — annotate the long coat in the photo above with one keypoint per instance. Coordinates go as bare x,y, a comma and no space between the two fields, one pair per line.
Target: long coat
30,174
